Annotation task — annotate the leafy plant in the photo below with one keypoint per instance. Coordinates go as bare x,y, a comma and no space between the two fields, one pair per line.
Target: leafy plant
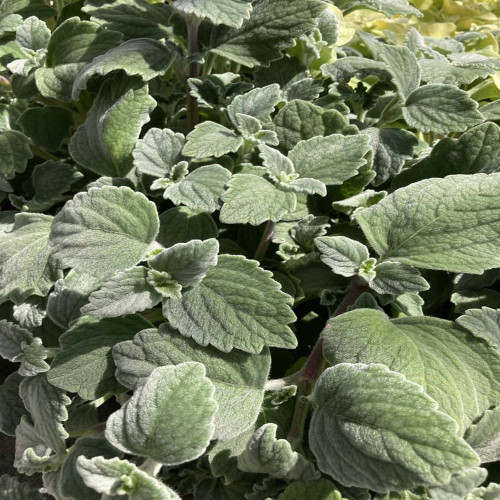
247,253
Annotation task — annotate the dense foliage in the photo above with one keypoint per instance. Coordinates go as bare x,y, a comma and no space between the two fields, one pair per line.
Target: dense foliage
249,252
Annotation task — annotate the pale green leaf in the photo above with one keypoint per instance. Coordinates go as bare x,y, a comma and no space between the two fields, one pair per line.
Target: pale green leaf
475,299
372,428
33,34
120,477
342,255
273,25
11,404
211,139
187,263
459,371
441,108
31,452
9,23
391,148
47,406
275,162
57,83
237,305
85,364
439,71
307,186
388,7
238,377
363,200
320,489
490,492
163,284
484,435
450,224
104,143
104,230
484,323
346,68
77,41
252,199
168,419
332,159
264,454
460,485
127,292
158,151
229,12
394,278
15,153
200,189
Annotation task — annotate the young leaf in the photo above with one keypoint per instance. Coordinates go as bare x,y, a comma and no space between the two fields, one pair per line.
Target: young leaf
187,263
158,151
332,159
200,189
460,485
238,377
342,255
104,230
484,435
120,477
484,323
441,108
439,71
47,406
456,369
449,224
388,7
394,278
265,454
33,34
229,12
237,305
85,364
251,199
127,292
104,143
211,139
361,409
31,453
142,56
168,419
273,25
320,489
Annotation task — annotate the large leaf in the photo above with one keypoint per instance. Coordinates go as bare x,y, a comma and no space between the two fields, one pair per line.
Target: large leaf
143,56
272,27
332,159
85,364
104,230
11,404
374,429
15,153
229,12
237,305
169,418
451,224
104,143
459,371
238,377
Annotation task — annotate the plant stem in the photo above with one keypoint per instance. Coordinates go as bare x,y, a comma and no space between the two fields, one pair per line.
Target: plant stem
314,367
267,236
51,352
151,467
192,104
43,154
209,64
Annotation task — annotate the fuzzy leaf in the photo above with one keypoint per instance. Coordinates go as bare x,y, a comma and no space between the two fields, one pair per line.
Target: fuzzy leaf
238,377
251,199
394,278
237,305
484,323
441,108
272,27
229,12
363,409
211,139
85,364
319,489
33,34
456,369
439,71
460,485
342,255
15,153
168,419
104,230
127,292
12,489
450,224
11,404
104,143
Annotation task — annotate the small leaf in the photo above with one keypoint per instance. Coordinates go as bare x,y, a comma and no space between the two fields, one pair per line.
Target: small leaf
120,477
439,71
229,12
265,454
31,453
484,323
449,224
158,151
169,418
211,139
11,404
187,263
253,200
85,364
395,278
441,108
33,34
104,230
342,255
237,305
47,406
15,153
361,409
127,292
460,485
